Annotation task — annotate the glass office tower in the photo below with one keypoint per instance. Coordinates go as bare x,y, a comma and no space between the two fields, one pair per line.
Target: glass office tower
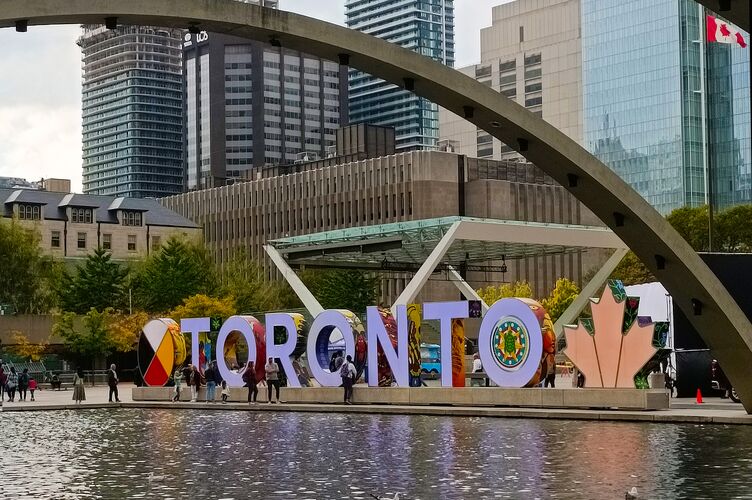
665,110
132,101
425,26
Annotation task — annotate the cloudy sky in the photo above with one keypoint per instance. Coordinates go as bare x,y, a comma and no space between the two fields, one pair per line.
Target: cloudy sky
40,89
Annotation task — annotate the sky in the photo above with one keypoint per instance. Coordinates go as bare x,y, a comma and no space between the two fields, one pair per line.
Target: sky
40,88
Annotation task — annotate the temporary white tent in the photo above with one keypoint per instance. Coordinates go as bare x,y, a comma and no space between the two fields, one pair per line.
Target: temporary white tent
656,303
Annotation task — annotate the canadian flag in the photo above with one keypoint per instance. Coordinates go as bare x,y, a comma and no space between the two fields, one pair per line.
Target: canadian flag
722,32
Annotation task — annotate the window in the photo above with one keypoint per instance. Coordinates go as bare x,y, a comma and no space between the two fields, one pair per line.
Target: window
29,212
81,215
156,243
107,242
131,218
55,239
82,241
131,242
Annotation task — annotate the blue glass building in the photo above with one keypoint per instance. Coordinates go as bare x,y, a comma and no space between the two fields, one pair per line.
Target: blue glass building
665,110
425,26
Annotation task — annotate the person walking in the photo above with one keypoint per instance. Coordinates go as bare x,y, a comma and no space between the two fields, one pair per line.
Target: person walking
347,372
211,384
249,378
272,379
79,392
32,387
23,384
112,381
3,380
195,382
11,383
177,377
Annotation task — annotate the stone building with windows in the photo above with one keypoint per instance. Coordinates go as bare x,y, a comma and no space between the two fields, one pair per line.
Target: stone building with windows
73,225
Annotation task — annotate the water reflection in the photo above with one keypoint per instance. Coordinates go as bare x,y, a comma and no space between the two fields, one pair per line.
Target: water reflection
129,453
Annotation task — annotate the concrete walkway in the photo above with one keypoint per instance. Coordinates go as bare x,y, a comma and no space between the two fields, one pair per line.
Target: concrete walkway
713,411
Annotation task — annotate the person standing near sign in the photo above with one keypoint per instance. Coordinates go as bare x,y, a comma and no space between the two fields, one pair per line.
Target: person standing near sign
347,372
272,378
112,381
211,384
249,377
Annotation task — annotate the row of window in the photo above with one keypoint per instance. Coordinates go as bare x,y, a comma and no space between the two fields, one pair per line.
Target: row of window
81,242
78,215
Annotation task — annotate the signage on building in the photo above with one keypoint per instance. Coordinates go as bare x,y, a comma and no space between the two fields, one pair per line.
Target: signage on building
189,39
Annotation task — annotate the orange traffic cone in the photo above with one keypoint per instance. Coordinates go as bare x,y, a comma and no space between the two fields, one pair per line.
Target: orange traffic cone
699,396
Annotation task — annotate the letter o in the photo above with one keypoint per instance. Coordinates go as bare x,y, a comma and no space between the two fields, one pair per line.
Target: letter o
318,342
244,325
523,329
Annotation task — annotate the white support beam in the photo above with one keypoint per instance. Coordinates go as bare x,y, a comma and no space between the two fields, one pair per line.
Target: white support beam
466,289
589,290
309,301
433,260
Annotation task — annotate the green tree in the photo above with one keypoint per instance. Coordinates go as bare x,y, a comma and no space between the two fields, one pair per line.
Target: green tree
492,293
733,229
631,271
99,283
28,279
692,224
202,306
343,288
177,271
88,339
561,297
244,280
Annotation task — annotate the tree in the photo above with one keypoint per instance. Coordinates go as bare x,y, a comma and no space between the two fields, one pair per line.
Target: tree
177,271
492,293
692,224
202,306
243,279
631,271
561,297
28,278
88,339
350,289
26,349
733,229
99,283
125,329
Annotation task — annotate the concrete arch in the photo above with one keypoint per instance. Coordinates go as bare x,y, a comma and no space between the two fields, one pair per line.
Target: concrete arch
710,307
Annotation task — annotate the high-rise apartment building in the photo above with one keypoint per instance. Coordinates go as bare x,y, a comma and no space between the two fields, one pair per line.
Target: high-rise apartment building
669,112
425,26
530,54
132,111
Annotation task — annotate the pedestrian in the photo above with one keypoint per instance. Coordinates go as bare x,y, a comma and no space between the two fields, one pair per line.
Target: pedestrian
249,378
477,368
32,387
23,384
347,372
195,382
79,392
177,377
272,379
550,380
211,384
112,381
3,379
225,391
11,383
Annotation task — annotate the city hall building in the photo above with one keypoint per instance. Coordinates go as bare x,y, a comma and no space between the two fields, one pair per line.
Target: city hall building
312,197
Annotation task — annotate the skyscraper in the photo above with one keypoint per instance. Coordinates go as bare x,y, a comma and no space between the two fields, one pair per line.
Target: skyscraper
425,26
667,111
132,111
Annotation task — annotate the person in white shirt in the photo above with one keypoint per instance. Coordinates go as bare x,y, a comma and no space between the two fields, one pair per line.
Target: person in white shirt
477,368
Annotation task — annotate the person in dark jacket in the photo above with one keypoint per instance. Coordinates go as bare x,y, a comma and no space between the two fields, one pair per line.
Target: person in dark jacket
2,381
211,383
249,378
112,381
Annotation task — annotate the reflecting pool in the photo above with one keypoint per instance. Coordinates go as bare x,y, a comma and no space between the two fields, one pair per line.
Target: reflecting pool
156,453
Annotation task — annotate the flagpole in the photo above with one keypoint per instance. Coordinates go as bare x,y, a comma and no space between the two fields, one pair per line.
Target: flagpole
703,106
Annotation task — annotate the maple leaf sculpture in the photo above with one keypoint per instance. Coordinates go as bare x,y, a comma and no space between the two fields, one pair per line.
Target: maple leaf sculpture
612,347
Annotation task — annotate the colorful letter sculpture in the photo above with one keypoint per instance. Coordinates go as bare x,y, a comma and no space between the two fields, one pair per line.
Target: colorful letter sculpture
458,352
548,358
386,378
613,346
414,314
161,347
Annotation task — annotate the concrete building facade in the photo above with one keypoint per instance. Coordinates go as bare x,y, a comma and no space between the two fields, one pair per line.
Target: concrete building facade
532,55
132,111
424,26
399,187
71,226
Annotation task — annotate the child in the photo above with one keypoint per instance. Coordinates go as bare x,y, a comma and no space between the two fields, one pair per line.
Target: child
32,387
225,391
